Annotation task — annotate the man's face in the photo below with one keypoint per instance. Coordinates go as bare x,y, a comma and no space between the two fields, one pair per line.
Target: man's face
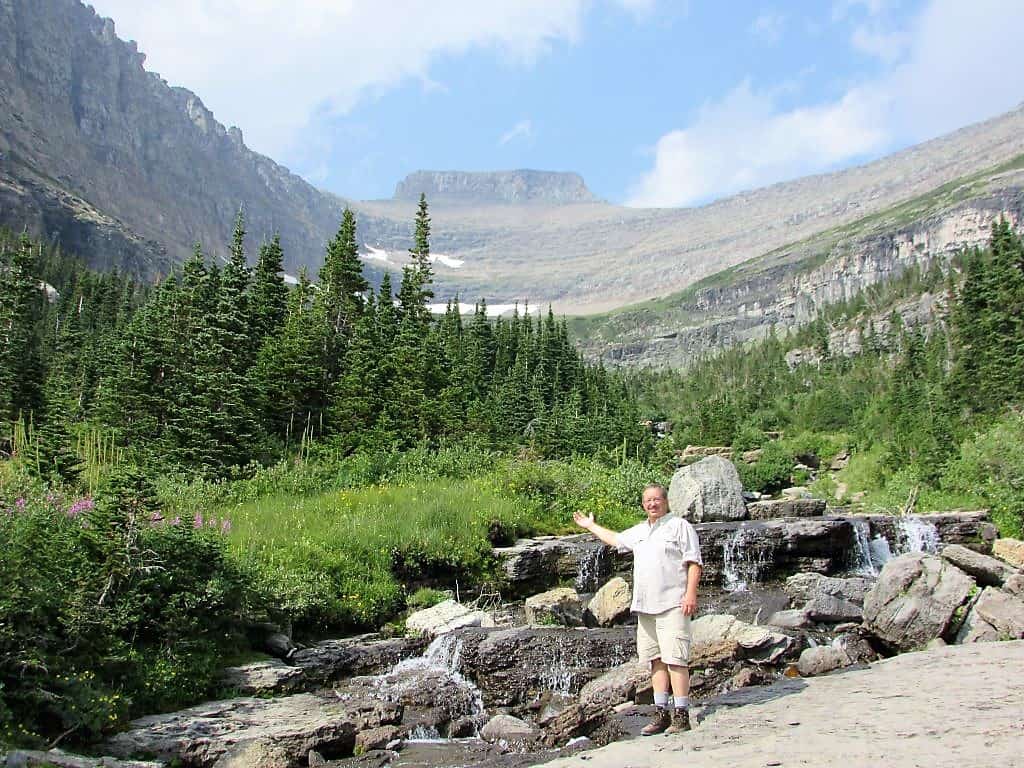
654,502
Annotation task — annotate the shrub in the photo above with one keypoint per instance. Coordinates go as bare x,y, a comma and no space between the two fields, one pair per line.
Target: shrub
771,472
425,597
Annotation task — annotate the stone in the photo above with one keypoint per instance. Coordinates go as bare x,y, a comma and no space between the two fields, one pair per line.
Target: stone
443,617
57,758
856,647
804,587
693,452
830,609
255,753
508,728
987,571
292,725
840,461
616,686
721,638
795,618
561,606
1015,585
315,760
779,508
1009,550
263,678
328,661
796,492
1003,611
611,603
709,490
375,738
915,600
821,659
751,457
535,564
935,643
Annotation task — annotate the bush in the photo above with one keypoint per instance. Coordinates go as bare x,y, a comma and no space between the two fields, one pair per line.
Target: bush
771,472
425,597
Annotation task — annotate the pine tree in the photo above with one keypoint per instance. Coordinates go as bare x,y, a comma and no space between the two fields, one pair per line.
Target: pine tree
21,306
269,296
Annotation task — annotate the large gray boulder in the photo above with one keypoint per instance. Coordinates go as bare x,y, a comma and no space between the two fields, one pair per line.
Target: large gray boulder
508,728
611,603
709,490
804,587
996,615
294,725
721,638
916,599
561,606
987,571
445,617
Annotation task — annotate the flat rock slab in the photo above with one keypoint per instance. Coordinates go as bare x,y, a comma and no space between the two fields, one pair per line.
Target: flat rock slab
201,735
777,508
56,758
884,714
1010,551
987,571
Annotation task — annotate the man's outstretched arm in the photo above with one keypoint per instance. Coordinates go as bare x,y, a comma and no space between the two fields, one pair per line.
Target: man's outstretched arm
609,537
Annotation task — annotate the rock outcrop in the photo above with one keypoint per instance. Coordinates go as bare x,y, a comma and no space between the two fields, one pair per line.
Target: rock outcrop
523,186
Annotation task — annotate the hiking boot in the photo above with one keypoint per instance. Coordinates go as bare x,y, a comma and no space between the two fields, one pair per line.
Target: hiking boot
661,720
680,721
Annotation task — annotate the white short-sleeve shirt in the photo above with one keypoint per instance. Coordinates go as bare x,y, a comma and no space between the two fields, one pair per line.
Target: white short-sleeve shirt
661,553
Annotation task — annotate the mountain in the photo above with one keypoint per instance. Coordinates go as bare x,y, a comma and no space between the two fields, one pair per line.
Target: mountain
110,160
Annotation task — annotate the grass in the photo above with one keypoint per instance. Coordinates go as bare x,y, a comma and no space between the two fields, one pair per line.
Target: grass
345,557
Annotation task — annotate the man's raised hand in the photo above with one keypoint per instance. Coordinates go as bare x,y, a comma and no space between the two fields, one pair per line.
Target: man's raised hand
582,520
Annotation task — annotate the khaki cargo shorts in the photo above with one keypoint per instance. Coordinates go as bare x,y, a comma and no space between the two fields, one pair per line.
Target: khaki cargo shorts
664,635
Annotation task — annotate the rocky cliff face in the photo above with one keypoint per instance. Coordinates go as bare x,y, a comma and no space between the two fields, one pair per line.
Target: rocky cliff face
109,160
522,186
790,293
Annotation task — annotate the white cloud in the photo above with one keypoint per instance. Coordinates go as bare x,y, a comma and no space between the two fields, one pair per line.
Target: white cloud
521,130
873,41
768,26
270,67
745,140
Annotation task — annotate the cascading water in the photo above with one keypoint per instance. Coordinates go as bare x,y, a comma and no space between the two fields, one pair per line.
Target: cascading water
588,569
865,563
917,535
743,559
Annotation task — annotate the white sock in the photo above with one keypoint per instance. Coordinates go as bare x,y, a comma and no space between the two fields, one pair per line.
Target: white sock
661,699
682,702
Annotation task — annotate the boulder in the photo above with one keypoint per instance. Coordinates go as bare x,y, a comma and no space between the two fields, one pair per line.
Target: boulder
915,600
263,678
623,683
829,609
508,728
709,490
561,607
1015,585
255,753
779,508
444,617
331,660
532,564
56,758
721,638
996,615
804,587
201,735
987,571
1009,550
795,618
796,492
821,659
611,603
375,738
692,452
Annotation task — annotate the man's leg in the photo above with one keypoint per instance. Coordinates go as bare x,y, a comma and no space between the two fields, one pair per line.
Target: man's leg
680,680
661,683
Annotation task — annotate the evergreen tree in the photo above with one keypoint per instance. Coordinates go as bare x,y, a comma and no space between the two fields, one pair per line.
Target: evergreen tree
269,297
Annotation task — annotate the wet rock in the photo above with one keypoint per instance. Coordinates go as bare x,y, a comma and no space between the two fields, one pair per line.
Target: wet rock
778,508
332,660
611,603
709,490
262,678
201,735
856,646
804,587
987,571
445,617
626,682
56,758
795,618
515,666
915,600
821,659
996,615
1009,550
375,738
971,529
561,606
509,728
532,564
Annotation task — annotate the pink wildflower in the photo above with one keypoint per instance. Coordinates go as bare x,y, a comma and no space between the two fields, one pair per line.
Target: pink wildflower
198,521
20,504
225,526
176,520
80,506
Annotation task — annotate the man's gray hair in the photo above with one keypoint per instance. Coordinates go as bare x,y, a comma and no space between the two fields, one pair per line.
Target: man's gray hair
659,486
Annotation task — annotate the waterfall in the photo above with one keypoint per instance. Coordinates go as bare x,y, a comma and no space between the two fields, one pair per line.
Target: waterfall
917,535
743,559
865,564
558,675
588,569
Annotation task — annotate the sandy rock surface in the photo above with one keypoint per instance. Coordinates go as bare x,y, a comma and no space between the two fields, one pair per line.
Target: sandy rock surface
955,706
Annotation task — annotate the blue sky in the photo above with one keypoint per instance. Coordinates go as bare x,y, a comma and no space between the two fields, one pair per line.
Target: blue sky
654,102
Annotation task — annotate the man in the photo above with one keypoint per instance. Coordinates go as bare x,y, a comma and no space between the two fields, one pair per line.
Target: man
666,569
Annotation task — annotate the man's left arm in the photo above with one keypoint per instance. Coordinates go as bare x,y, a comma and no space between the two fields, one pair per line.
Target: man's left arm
693,573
